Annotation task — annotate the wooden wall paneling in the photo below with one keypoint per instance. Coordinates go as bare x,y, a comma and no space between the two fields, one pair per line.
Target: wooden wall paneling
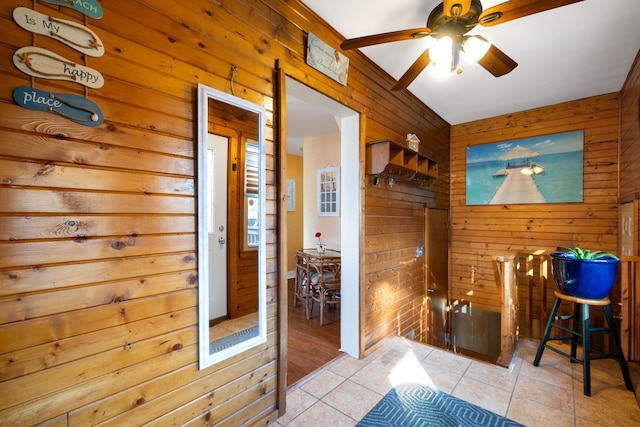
18,228
191,398
28,360
369,89
481,231
45,330
630,132
93,366
125,192
629,188
35,279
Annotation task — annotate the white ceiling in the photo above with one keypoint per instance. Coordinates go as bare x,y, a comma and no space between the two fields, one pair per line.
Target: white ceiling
581,50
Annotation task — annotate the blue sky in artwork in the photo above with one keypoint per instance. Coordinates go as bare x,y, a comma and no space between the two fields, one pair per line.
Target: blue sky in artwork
547,144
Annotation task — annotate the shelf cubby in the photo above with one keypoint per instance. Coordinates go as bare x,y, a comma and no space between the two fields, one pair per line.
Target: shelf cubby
392,160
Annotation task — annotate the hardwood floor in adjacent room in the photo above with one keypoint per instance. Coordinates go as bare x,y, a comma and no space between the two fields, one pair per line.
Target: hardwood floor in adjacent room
310,346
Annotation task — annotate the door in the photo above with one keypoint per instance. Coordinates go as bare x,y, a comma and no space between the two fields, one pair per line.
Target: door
437,276
217,153
626,326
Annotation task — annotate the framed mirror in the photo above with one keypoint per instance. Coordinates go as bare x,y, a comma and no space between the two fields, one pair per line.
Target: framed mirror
231,233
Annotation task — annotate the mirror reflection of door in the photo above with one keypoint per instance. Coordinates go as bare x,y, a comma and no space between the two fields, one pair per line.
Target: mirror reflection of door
217,149
233,232
231,167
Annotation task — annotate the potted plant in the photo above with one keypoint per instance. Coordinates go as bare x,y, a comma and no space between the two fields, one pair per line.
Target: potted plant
584,273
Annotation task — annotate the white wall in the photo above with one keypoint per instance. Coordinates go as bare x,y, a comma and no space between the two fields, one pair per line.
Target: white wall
319,153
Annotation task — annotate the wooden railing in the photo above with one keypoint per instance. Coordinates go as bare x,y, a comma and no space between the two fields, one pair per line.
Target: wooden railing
506,277
534,286
630,306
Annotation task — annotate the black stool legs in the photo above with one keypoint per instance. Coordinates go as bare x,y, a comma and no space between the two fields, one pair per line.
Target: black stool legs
587,330
616,342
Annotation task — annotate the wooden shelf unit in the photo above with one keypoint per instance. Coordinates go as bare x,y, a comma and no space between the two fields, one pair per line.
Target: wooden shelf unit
392,160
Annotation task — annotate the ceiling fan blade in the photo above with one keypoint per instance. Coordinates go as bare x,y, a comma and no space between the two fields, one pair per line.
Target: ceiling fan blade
515,9
497,62
413,72
392,36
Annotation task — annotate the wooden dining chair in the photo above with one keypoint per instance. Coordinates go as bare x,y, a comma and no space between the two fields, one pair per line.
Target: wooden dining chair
303,280
327,289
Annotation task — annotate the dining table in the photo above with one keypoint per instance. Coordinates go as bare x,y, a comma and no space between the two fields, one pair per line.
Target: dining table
317,278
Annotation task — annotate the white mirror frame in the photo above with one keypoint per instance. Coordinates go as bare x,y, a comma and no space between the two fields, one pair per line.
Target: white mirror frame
206,358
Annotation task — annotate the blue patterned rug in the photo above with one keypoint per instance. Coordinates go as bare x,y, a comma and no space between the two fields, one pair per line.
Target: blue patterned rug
418,405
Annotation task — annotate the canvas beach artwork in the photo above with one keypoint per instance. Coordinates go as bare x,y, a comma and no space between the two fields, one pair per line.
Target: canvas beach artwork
543,169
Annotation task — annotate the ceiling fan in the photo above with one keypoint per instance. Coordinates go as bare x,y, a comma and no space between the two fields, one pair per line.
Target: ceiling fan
449,23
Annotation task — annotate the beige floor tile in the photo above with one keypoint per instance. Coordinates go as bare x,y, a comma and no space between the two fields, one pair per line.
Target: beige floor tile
484,395
560,398
550,394
612,406
374,376
536,414
322,384
392,357
352,399
493,375
605,370
321,414
420,350
551,371
347,366
442,379
298,401
446,360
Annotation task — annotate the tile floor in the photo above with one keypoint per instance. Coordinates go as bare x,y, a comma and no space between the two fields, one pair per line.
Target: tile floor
230,327
342,392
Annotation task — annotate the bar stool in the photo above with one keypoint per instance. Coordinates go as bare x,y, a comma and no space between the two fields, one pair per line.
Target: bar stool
587,330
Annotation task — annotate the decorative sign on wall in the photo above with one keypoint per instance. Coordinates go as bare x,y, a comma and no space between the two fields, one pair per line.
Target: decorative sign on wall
39,62
91,8
73,35
72,107
42,63
543,169
291,194
327,60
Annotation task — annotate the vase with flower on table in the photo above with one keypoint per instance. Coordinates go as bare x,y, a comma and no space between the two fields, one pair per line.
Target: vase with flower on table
320,247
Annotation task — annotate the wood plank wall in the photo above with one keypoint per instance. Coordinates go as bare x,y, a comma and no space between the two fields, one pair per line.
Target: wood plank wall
98,300
480,232
630,135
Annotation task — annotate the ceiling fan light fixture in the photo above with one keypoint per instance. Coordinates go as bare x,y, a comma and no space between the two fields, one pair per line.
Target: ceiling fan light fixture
441,53
441,70
475,47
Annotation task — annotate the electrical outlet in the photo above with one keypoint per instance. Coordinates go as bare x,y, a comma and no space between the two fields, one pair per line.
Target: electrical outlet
419,251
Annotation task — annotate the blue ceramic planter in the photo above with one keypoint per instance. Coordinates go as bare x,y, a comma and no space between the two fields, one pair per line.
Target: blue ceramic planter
584,278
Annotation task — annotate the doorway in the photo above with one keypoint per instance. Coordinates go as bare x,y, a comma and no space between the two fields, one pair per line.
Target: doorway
310,115
436,277
217,152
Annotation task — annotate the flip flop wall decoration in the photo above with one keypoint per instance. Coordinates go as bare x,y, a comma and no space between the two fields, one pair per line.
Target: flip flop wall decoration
72,107
38,62
91,8
70,33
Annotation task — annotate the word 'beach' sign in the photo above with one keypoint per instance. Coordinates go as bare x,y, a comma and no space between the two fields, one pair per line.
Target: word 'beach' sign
91,8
